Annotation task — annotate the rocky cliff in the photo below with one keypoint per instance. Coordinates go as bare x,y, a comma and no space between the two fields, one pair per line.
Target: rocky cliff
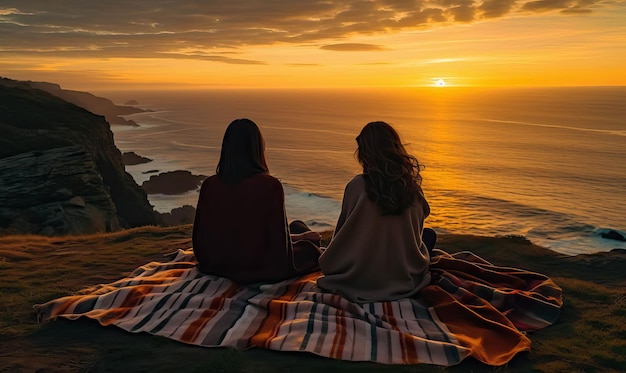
60,171
97,105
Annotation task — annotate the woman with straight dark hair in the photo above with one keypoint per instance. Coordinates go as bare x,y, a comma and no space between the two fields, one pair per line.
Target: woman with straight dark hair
380,249
240,229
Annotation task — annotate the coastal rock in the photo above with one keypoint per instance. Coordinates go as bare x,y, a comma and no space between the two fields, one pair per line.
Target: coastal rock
54,192
613,235
179,216
60,171
131,103
132,158
173,182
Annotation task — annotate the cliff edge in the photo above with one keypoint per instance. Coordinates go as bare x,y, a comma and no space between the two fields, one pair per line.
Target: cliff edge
60,171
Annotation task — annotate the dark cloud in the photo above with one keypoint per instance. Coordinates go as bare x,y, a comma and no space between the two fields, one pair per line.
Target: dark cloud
196,28
563,6
576,11
353,47
496,8
215,58
462,13
546,5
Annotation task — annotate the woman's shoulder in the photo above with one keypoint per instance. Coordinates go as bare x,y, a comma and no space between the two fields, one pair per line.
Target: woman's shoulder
266,179
358,181
211,180
264,182
254,179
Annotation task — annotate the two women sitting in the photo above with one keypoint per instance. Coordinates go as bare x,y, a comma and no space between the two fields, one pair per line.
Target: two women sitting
379,250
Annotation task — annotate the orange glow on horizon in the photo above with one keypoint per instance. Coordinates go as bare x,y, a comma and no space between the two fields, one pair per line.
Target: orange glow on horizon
544,50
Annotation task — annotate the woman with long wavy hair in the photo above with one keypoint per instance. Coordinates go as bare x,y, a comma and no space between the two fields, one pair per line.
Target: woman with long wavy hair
380,249
240,230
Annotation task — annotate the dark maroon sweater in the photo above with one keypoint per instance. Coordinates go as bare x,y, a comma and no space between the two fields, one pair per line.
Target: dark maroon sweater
240,231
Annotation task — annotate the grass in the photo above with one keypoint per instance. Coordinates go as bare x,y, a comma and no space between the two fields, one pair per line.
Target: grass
590,335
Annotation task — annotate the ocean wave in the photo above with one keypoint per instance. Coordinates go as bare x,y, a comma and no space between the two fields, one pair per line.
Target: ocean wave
315,224
317,210
498,207
296,150
178,143
332,132
292,189
154,116
461,212
148,134
608,132
150,113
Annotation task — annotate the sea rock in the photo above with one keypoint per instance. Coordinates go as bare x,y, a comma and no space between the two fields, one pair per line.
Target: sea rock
613,235
60,171
132,158
173,182
179,216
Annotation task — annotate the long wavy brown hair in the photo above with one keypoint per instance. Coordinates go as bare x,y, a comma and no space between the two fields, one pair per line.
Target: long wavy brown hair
392,175
243,152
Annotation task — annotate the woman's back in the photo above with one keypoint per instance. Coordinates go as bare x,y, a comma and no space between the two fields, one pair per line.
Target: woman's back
375,257
240,229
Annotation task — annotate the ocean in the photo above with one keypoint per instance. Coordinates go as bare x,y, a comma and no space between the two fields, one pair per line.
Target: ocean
545,163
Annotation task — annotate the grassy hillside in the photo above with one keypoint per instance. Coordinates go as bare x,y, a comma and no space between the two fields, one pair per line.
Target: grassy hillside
589,337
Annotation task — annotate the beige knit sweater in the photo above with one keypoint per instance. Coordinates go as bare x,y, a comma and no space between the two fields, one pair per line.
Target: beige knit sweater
373,257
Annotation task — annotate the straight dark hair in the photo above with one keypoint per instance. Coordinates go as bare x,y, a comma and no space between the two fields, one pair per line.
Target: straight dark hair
392,175
243,152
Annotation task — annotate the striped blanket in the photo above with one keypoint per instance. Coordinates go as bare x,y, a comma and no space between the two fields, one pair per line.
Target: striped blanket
471,308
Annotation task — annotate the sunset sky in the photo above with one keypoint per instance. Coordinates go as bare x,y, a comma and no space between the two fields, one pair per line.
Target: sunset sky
285,43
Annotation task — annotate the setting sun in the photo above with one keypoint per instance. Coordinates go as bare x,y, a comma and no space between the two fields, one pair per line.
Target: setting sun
440,83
